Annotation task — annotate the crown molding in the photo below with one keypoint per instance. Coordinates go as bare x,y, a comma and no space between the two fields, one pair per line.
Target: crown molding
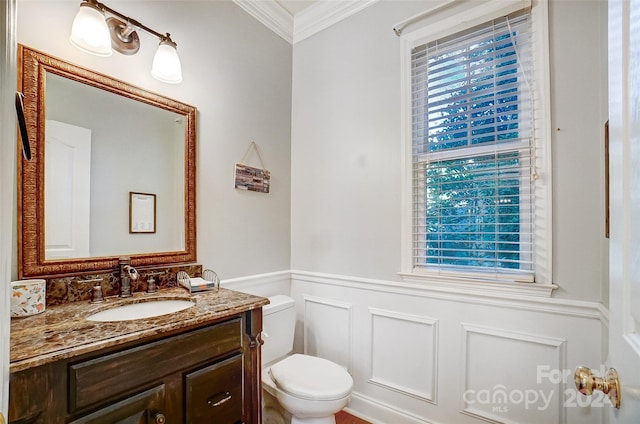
324,14
308,22
271,14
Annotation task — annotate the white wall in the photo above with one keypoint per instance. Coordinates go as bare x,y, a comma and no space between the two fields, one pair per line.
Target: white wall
238,74
578,33
346,146
415,351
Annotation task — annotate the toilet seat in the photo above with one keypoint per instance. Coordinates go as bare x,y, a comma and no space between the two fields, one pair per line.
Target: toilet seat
310,377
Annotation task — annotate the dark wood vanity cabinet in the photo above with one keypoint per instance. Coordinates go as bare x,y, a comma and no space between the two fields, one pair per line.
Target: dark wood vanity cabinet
208,374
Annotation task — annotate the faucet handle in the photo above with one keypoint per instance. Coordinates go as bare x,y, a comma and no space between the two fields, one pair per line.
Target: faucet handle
151,281
96,294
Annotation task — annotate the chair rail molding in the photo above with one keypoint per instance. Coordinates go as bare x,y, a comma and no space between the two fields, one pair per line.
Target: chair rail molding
558,306
279,282
267,284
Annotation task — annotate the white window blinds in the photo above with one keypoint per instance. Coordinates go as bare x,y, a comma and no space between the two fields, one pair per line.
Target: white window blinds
473,170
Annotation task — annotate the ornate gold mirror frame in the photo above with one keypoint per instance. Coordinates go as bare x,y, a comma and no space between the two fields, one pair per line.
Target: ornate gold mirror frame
33,67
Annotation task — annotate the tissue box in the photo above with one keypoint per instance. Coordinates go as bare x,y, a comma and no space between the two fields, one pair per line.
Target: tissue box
28,297
200,284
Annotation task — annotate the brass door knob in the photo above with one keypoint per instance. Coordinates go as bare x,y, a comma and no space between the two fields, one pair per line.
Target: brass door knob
586,383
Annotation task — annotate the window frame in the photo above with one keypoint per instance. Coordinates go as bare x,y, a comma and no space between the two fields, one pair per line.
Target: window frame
452,17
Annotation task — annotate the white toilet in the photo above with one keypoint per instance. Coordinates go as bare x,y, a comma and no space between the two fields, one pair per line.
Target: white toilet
309,388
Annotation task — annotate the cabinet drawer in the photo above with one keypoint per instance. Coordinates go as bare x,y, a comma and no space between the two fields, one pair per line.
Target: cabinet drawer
145,407
109,377
214,394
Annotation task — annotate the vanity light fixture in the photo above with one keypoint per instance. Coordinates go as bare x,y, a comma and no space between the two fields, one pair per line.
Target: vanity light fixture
94,34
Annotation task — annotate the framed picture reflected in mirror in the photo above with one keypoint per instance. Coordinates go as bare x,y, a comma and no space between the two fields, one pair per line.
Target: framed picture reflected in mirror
142,212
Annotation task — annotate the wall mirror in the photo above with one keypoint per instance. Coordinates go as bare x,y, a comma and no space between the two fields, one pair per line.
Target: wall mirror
94,140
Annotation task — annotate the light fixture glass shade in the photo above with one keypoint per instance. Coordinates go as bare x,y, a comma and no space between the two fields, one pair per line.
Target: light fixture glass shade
166,64
89,32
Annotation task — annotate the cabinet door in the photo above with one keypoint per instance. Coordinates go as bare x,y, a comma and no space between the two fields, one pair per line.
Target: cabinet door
143,408
28,396
214,393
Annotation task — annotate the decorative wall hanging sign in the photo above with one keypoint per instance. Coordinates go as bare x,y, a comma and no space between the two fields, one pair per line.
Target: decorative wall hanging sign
250,178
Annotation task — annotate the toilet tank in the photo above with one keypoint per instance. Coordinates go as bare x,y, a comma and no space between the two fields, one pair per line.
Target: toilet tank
278,327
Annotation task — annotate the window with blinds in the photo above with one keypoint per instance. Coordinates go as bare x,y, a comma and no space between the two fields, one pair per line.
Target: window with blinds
473,166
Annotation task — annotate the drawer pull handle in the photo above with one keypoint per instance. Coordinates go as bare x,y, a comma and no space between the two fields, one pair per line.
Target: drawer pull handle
158,417
219,399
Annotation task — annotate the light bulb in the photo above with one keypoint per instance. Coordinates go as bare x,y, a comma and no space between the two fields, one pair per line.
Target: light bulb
166,64
89,32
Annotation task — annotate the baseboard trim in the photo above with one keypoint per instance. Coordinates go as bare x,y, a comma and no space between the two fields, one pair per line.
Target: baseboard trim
386,413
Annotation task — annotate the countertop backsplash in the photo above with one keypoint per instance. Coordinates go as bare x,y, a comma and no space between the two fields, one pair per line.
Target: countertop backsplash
61,290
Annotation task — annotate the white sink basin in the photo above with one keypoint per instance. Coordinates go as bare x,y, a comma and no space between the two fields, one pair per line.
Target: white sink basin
141,310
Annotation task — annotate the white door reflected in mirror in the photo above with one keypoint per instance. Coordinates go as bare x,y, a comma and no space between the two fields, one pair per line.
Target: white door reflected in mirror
67,190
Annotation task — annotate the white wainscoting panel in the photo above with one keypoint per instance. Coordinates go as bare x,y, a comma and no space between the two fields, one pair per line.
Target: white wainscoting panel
328,330
412,371
421,355
506,376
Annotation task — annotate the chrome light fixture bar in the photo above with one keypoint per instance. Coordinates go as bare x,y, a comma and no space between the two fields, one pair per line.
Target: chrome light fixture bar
94,34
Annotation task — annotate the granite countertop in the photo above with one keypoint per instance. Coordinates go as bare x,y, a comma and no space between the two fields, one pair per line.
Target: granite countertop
62,331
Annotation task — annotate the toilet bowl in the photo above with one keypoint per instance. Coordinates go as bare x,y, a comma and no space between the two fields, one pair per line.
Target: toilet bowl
310,389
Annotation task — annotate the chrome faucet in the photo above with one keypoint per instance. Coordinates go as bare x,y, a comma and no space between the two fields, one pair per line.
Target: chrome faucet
127,274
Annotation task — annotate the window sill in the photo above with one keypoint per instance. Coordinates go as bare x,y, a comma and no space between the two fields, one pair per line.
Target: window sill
483,287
